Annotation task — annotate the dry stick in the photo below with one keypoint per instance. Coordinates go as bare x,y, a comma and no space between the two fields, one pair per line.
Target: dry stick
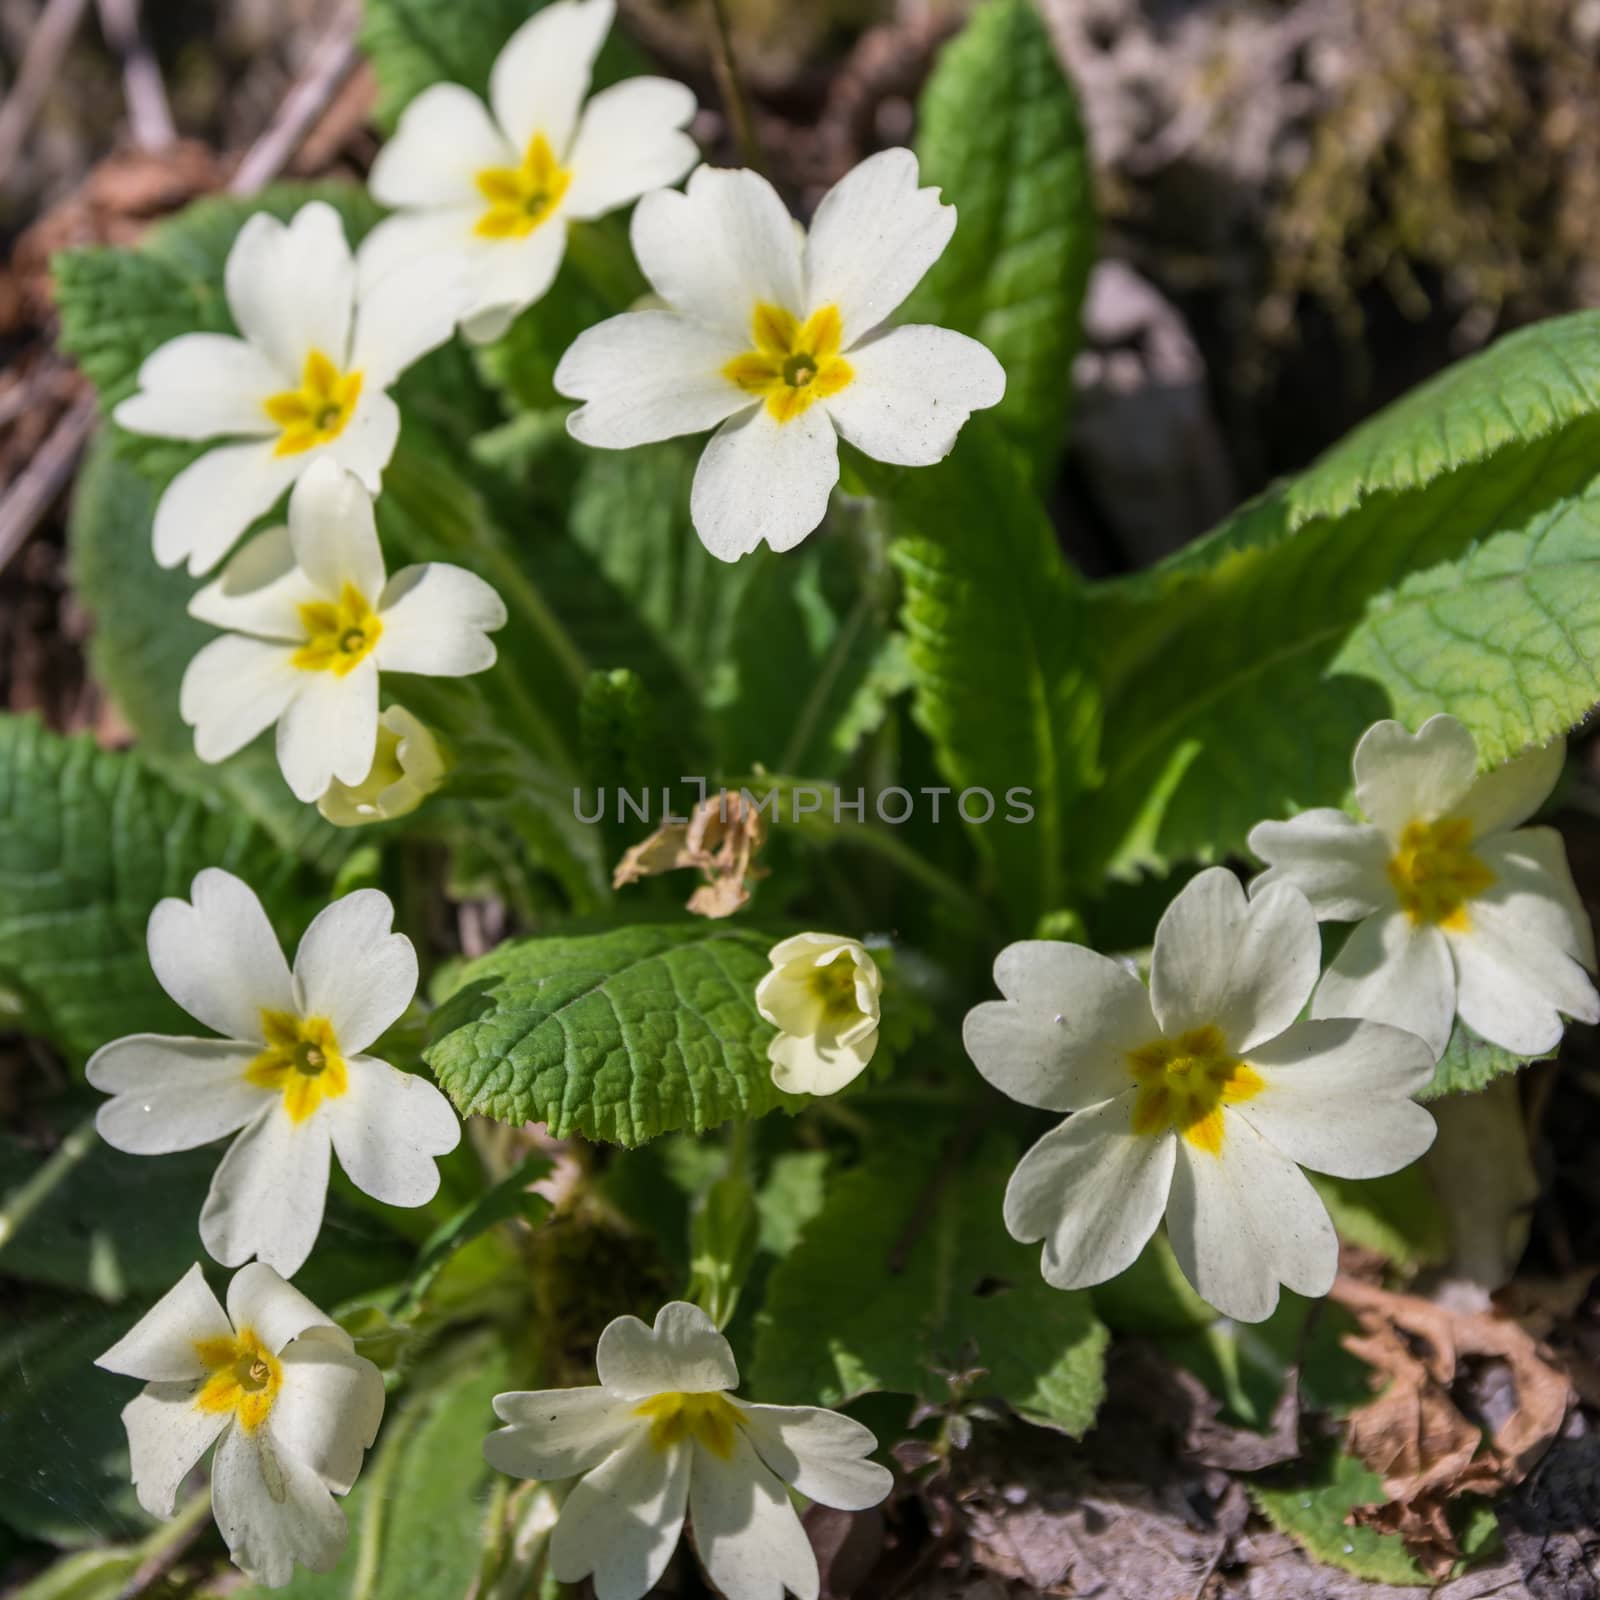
35,489
47,45
149,113
725,64
333,60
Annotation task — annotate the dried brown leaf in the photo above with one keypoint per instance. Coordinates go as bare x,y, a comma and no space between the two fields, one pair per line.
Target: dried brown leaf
721,840
1415,1433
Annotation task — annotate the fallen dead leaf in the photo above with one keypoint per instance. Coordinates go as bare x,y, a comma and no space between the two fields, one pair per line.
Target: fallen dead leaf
722,838
1415,1433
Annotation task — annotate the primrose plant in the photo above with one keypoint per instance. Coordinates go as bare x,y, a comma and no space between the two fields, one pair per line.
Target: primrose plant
794,1124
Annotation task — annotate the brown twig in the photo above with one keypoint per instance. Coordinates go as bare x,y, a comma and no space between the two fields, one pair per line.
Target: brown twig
35,488
47,46
149,113
333,60
726,66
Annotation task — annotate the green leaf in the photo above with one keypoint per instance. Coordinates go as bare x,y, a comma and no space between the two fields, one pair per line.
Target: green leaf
618,1036
1240,678
1398,1216
1529,384
1470,1064
85,1575
1003,687
62,1422
418,1510
508,1198
999,131
908,1269
1311,1505
89,841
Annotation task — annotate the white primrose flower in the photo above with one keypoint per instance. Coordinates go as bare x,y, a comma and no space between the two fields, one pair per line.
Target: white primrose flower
312,622
1458,909
278,1387
1200,1098
324,335
287,1073
502,185
661,1434
780,337
822,993
407,767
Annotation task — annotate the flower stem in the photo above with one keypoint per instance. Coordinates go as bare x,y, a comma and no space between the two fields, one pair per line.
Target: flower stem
30,1194
726,66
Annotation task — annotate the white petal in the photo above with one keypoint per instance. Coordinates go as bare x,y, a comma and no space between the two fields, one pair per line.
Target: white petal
172,1094
259,1299
200,385
436,621
873,239
405,313
683,1351
213,500
1245,965
760,479
1339,865
167,1435
1510,794
647,375
746,1531
235,688
260,591
273,1510
443,140
718,249
1534,883
329,730
1335,1097
333,533
410,236
820,1453
217,956
621,1520
558,1433
504,276
817,1063
1401,777
912,392
1061,1037
1094,1191
267,1197
354,970
160,1346
542,74
290,287
1511,985
328,1410
1393,970
630,141
1245,1220
388,1130
368,439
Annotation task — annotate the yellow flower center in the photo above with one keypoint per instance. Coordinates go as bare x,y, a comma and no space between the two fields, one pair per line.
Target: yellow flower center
301,1061
1184,1084
318,410
521,197
709,1419
834,987
793,363
245,1377
339,635
1435,873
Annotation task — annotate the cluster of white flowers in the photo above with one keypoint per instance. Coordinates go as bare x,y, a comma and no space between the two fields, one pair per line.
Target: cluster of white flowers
1197,1099
1201,1097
